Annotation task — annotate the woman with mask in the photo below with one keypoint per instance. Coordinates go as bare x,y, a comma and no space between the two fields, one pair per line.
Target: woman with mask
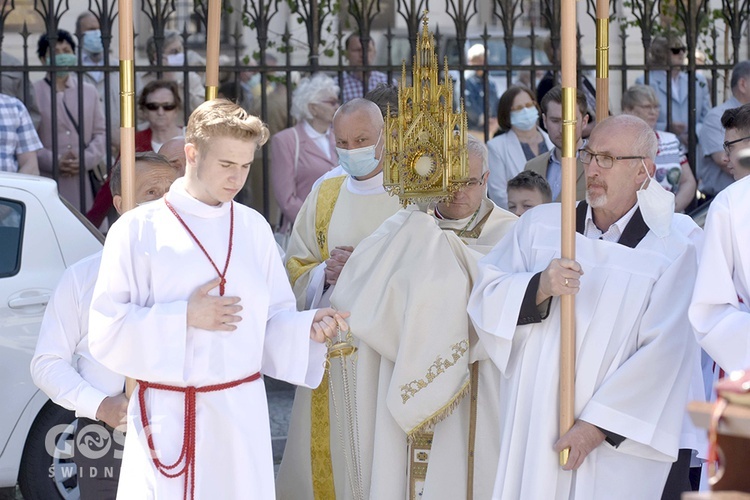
519,140
173,54
69,125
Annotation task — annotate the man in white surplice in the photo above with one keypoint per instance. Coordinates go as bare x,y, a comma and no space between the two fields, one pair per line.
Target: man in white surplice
408,283
337,214
720,309
198,343
633,271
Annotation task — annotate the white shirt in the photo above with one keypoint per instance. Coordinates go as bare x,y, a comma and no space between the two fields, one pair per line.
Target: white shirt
320,140
62,365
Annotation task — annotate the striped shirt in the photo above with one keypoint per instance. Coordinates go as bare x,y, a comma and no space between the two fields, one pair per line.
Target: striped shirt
17,133
353,87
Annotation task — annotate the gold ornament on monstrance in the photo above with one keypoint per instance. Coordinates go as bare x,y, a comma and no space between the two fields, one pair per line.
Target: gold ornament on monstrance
425,141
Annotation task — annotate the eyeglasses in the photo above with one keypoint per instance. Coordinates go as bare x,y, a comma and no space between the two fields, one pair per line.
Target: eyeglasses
474,183
523,106
728,144
166,106
604,161
330,102
678,50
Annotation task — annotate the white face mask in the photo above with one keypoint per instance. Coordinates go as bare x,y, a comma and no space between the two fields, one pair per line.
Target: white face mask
176,59
359,162
657,206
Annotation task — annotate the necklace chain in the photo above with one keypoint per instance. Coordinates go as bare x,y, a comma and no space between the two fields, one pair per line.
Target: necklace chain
222,275
473,218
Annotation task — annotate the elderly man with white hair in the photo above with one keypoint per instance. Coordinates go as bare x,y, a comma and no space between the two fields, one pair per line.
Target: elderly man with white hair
408,285
633,275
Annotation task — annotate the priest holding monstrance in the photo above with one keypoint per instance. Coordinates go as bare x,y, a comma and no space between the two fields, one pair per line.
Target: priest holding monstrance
632,277
426,391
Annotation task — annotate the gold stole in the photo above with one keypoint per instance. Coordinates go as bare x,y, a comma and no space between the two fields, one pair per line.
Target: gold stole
320,423
327,196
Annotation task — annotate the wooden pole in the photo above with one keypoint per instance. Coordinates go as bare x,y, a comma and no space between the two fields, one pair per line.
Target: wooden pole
212,48
568,197
602,60
127,118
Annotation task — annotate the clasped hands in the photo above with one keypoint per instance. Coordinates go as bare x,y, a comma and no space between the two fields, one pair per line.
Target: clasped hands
335,264
209,312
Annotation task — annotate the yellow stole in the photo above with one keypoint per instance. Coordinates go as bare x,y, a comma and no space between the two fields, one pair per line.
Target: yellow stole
320,423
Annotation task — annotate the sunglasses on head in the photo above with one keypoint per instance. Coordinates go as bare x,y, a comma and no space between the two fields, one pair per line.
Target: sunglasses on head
678,50
166,106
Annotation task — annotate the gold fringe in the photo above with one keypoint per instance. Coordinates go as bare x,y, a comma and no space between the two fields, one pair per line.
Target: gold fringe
440,414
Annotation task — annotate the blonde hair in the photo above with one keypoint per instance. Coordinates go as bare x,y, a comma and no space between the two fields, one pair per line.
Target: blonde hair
222,118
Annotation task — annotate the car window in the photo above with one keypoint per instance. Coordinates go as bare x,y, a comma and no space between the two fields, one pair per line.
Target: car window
11,236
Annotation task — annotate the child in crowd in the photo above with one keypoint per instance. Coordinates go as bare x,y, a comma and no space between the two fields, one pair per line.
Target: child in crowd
527,190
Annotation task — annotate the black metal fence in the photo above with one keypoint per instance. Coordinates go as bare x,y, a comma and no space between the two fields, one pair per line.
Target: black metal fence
247,36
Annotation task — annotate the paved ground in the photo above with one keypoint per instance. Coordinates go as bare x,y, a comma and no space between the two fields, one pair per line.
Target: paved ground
280,399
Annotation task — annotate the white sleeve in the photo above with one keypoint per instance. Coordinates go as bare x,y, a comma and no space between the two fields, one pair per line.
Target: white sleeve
720,319
52,367
288,352
496,298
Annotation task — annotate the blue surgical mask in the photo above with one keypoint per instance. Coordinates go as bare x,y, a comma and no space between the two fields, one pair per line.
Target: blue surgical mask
92,42
525,119
64,60
361,161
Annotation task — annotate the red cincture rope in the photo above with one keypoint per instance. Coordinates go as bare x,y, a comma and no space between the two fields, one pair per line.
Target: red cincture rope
223,275
187,453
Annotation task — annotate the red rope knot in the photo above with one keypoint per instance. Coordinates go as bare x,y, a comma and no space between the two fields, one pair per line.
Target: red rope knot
185,464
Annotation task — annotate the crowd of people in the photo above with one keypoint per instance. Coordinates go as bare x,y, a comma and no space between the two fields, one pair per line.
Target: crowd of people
454,310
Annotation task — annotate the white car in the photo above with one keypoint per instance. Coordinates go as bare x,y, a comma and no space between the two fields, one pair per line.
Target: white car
40,236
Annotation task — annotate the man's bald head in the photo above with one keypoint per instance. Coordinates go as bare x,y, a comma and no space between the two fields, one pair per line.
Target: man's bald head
174,151
633,131
363,106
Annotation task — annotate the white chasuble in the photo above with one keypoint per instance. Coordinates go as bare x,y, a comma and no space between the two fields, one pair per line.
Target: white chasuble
407,286
634,355
138,328
338,212
720,309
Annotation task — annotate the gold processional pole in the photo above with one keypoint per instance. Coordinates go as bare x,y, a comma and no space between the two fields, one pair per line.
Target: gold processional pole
212,49
127,118
602,60
568,196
